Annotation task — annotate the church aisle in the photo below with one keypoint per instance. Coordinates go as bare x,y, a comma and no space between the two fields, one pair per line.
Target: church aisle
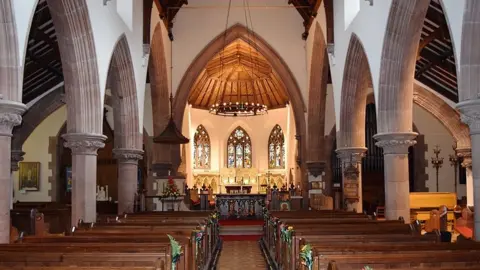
238,255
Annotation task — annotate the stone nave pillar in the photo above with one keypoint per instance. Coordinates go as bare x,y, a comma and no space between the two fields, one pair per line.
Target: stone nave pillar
351,158
10,116
84,174
466,154
397,188
470,111
127,177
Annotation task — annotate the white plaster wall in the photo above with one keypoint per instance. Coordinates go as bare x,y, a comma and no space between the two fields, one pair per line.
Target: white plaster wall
108,27
36,150
436,134
258,128
274,20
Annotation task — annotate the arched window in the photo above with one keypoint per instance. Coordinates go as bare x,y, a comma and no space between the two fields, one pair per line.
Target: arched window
276,149
201,150
239,149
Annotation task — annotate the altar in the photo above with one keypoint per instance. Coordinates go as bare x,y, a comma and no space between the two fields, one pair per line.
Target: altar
240,206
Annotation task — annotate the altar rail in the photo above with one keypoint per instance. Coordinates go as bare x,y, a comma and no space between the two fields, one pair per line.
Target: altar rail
240,206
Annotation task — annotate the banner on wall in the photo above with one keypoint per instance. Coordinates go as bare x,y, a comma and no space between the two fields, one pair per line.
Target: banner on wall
68,177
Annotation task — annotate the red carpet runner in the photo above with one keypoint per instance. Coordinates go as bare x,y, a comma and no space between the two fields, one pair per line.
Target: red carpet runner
241,230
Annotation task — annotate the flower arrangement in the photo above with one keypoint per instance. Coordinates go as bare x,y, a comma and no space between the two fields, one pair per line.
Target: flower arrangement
366,267
176,251
286,233
171,190
307,257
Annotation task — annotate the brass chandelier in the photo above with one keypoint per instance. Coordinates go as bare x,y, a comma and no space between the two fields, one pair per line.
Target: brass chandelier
239,108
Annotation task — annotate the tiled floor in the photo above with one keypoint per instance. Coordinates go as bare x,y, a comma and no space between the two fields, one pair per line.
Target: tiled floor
241,255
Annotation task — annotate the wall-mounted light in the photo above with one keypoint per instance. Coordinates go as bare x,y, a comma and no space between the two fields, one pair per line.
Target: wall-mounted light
370,1
105,2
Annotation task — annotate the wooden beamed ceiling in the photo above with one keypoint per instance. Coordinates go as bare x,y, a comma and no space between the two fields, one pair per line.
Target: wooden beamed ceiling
43,66
435,65
238,74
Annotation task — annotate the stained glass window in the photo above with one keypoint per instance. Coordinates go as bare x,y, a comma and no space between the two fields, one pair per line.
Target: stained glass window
276,149
201,149
239,149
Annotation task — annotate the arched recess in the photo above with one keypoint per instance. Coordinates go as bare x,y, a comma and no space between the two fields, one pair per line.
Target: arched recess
280,67
316,103
79,64
124,98
35,115
448,116
157,71
356,80
397,67
10,67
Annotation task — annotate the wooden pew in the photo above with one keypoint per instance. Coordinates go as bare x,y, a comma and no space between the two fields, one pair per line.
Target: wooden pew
128,242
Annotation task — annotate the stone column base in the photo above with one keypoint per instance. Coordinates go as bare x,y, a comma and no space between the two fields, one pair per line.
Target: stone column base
397,188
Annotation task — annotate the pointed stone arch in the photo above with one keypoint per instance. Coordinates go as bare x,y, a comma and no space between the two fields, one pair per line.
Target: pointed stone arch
317,94
158,75
10,66
235,32
397,66
124,97
79,64
356,80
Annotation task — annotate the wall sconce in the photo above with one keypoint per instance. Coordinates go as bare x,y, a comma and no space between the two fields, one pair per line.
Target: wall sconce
105,2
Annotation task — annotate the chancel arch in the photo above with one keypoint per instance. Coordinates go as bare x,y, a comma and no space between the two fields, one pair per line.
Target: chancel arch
292,90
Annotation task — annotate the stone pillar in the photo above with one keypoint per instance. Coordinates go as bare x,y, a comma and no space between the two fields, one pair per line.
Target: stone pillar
351,158
10,116
470,115
84,174
17,156
466,154
127,177
397,189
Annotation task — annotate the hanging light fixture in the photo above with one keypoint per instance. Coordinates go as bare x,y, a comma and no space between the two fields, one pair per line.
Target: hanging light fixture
171,134
239,108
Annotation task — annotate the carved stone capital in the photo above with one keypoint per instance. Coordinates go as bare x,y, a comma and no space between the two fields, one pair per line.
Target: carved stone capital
84,143
125,155
10,116
395,143
316,168
17,156
470,114
351,154
466,155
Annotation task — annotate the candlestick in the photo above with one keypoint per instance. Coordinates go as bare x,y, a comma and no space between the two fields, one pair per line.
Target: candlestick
436,161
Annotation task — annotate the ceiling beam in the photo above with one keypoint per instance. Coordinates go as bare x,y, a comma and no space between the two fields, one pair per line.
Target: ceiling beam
42,63
434,61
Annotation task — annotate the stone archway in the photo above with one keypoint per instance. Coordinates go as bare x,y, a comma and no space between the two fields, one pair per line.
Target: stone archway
128,140
293,91
316,104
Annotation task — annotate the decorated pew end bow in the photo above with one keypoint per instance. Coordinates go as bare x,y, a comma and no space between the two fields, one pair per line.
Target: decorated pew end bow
307,256
176,251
